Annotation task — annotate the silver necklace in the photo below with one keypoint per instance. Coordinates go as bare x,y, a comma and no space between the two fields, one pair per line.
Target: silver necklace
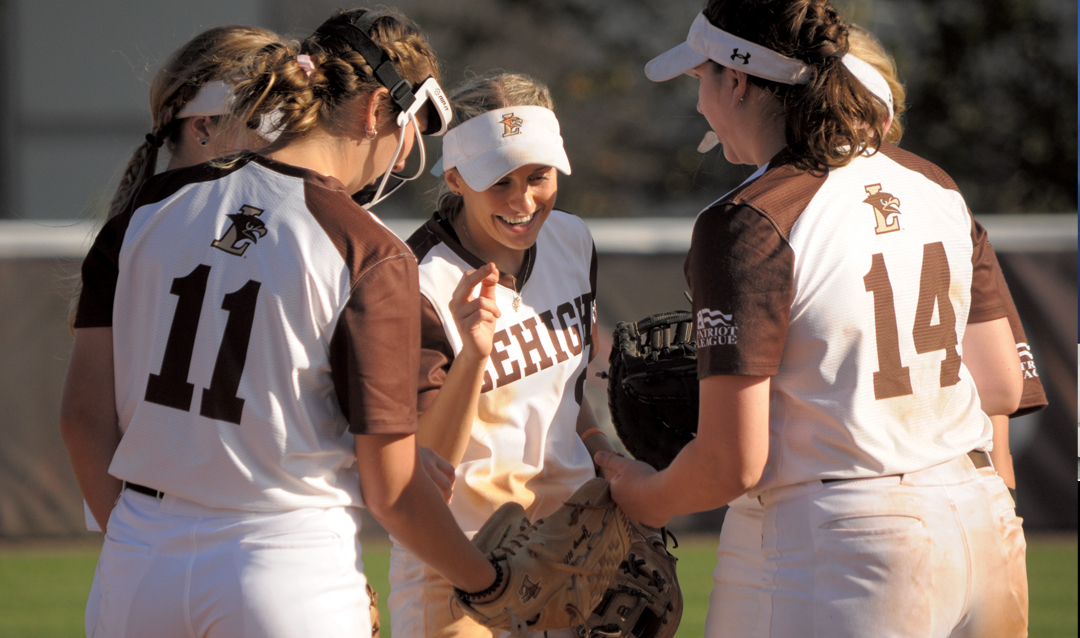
517,295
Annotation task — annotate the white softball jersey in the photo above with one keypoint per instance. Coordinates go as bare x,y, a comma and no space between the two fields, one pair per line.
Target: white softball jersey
260,318
524,445
851,288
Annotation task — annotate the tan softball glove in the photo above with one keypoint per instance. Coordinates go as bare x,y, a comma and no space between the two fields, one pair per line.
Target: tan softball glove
555,570
643,600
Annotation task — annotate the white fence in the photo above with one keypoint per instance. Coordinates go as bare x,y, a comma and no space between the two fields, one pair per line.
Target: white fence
1052,232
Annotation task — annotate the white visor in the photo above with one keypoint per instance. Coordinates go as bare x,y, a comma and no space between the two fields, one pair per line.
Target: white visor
706,42
871,79
214,98
491,145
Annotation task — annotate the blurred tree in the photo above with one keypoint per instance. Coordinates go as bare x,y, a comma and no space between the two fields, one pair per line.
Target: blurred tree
992,88
992,93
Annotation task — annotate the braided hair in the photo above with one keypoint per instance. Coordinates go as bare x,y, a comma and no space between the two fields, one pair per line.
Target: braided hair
212,55
834,118
298,100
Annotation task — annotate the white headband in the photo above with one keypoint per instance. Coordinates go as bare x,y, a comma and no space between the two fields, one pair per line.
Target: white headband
214,98
871,79
707,42
489,146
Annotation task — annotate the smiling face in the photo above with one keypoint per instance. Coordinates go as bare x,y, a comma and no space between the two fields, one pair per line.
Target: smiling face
505,219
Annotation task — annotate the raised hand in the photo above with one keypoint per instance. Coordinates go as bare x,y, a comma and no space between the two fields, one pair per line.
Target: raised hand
475,315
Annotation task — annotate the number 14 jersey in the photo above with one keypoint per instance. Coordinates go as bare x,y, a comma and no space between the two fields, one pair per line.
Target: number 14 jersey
852,289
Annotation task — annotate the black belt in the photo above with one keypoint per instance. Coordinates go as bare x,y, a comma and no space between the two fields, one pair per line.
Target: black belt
978,458
142,489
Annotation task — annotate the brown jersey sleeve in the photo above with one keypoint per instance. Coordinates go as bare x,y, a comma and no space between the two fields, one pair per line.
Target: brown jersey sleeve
740,272
1034,397
436,356
986,268
374,352
986,284
100,270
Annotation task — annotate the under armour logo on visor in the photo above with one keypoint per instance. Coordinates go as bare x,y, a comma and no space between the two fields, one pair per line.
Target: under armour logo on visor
744,57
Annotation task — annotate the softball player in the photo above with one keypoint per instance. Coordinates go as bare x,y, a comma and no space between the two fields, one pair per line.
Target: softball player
739,573
246,344
508,326
832,292
186,98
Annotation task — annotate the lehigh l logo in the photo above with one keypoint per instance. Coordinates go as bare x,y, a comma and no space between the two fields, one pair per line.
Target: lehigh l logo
246,225
511,125
528,590
885,209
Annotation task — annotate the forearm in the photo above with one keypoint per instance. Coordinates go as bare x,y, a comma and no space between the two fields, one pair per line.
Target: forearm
420,521
399,494
89,425
1000,455
725,460
594,438
990,356
91,451
697,481
445,426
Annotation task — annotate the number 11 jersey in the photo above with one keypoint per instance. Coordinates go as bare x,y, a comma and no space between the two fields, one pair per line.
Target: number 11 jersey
259,319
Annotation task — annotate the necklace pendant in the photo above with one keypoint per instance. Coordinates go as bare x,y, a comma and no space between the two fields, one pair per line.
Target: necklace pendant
517,302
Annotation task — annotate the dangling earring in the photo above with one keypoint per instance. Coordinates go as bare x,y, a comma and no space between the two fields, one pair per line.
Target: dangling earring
370,132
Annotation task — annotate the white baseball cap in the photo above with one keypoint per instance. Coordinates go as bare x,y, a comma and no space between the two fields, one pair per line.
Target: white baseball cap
488,146
213,98
707,42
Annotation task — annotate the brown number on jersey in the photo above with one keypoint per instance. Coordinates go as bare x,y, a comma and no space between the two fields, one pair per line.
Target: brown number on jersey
171,388
893,379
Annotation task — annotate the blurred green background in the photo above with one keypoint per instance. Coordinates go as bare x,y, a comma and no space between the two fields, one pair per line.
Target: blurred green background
43,587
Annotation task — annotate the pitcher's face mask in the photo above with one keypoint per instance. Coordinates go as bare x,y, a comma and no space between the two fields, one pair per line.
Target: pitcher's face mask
426,100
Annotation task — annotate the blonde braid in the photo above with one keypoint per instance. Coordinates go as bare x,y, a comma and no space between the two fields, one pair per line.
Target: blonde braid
211,55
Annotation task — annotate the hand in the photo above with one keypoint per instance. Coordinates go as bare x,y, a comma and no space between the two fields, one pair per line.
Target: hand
438,469
629,487
475,316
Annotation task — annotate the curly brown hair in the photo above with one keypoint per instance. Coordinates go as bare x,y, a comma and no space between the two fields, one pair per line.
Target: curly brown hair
830,120
272,81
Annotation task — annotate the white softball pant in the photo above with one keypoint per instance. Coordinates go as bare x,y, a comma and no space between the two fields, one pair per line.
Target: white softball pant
172,569
740,569
935,553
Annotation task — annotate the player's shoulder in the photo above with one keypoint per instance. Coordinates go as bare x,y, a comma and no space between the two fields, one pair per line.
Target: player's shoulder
427,238
161,186
358,235
915,164
566,228
774,200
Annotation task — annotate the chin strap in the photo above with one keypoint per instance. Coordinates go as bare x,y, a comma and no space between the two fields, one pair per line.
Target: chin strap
379,196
